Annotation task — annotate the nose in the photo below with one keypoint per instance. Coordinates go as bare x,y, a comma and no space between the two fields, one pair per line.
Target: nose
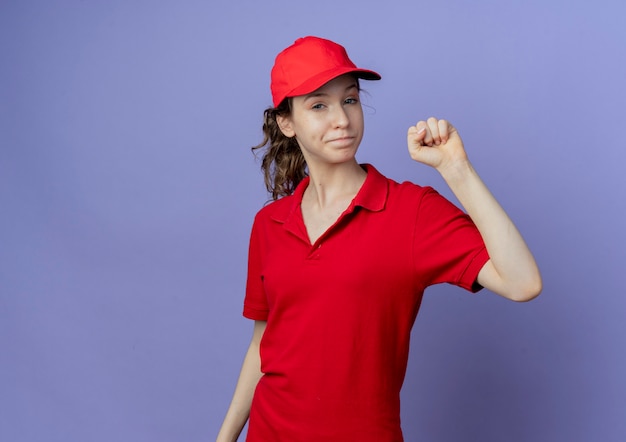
340,117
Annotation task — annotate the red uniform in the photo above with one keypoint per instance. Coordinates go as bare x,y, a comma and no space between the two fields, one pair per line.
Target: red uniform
339,312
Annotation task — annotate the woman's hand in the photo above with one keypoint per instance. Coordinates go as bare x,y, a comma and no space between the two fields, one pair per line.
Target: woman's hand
436,143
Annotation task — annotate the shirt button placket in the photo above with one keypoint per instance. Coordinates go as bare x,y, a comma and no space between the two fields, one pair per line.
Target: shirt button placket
315,252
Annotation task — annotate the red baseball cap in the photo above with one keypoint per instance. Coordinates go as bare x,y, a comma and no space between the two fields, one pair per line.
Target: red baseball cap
308,64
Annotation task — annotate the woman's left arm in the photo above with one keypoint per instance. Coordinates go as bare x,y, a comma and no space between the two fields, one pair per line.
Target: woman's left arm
511,271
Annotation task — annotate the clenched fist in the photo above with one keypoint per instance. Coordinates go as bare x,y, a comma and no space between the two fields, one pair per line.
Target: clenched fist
435,143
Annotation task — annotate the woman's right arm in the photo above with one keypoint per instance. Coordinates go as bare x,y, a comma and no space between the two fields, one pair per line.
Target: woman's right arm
239,409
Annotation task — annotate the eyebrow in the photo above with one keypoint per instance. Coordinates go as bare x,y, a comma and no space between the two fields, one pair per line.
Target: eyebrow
322,94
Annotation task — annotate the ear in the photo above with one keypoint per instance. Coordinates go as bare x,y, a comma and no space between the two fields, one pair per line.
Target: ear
285,126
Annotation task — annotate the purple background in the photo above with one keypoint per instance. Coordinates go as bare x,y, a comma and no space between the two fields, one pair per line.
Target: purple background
127,191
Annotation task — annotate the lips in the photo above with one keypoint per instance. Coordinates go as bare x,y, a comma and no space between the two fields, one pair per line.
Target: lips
346,139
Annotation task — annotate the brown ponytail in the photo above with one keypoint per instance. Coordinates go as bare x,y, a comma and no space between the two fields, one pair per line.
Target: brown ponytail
282,163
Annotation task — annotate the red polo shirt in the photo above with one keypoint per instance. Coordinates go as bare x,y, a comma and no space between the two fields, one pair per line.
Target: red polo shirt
339,312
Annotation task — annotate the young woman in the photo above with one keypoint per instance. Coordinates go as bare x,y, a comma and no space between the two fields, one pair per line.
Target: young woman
339,261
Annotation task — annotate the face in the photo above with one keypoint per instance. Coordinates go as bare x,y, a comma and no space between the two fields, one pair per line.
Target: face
327,123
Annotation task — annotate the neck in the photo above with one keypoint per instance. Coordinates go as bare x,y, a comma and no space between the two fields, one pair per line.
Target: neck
333,184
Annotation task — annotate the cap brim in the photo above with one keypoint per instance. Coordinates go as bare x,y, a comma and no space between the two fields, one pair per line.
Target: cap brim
314,83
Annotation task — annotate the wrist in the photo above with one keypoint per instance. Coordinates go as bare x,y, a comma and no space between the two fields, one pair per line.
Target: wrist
457,171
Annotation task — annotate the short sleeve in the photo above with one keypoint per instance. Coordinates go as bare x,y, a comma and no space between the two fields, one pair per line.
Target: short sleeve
255,302
447,247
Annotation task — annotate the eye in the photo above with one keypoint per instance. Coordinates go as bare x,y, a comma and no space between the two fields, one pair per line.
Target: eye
351,100
317,106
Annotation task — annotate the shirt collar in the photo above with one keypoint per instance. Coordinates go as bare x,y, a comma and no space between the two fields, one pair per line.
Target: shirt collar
371,196
373,193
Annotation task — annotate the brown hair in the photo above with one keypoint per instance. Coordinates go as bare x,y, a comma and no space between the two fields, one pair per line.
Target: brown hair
282,162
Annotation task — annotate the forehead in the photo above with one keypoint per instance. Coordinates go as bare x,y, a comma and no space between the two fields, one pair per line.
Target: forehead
339,84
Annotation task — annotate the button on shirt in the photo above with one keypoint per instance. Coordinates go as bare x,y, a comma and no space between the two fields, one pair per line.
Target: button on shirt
339,312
